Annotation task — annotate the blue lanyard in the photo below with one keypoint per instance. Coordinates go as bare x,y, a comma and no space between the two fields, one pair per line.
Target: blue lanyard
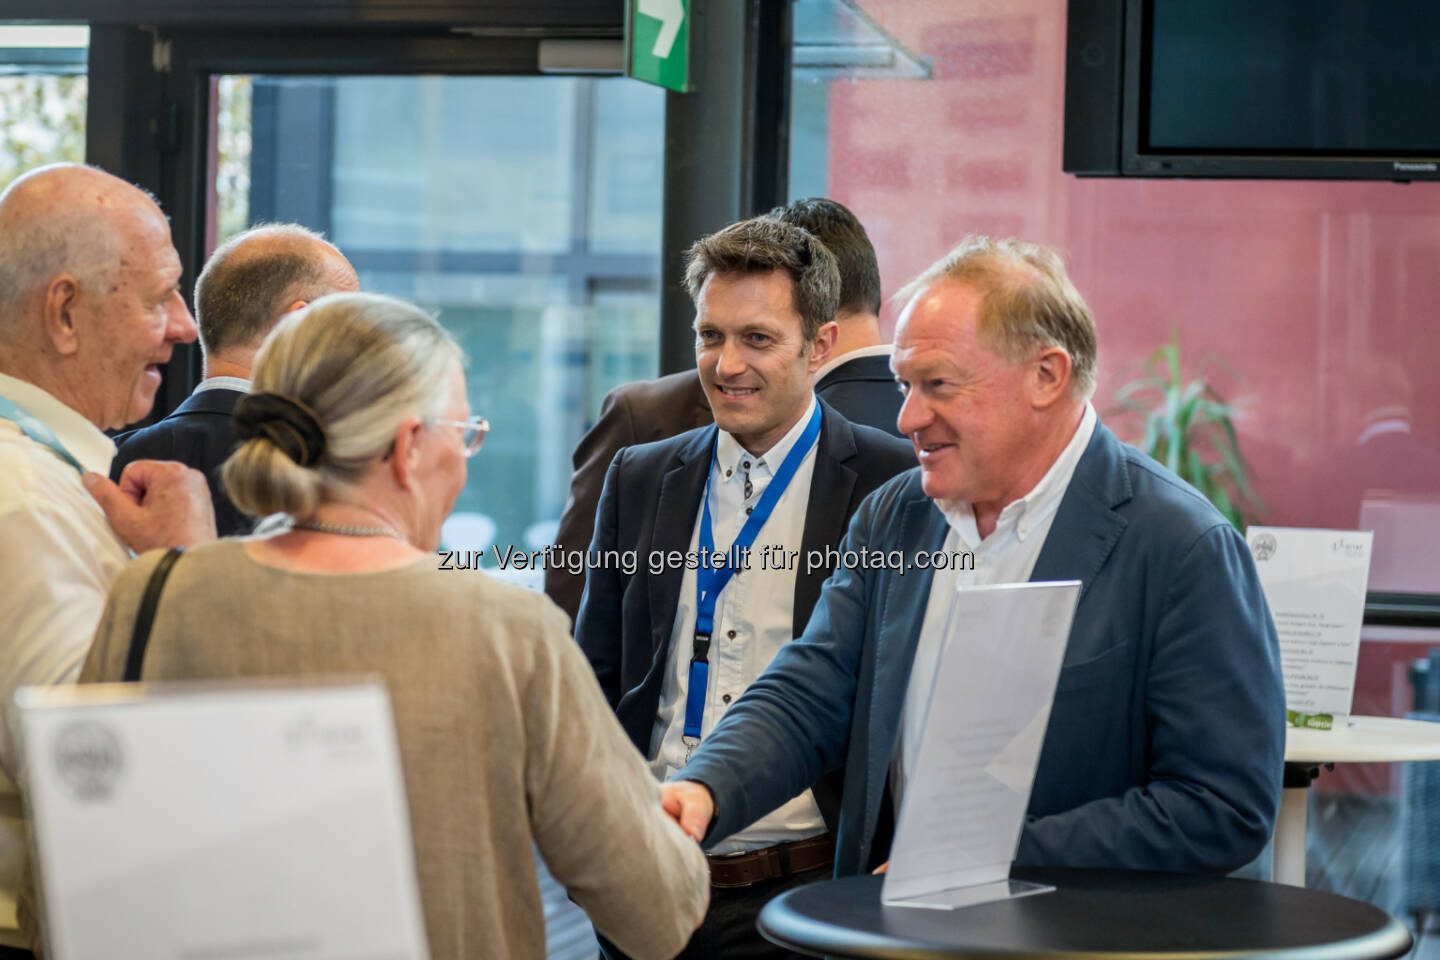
710,581
34,428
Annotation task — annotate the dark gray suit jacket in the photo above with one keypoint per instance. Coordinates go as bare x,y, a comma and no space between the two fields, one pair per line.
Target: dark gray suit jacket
864,391
1166,740
198,434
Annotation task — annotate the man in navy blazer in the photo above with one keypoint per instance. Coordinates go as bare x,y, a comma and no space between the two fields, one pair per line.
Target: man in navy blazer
249,283
1165,743
780,472
862,387
855,380
648,505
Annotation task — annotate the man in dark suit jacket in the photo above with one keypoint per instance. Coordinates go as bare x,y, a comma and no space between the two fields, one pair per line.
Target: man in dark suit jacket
781,473
249,283
856,380
1165,742
864,385
656,488
859,385
197,433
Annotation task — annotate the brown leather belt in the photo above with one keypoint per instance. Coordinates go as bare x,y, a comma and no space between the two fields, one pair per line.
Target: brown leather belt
771,863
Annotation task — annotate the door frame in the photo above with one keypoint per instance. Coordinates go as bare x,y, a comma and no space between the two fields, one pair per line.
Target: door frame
165,146
726,142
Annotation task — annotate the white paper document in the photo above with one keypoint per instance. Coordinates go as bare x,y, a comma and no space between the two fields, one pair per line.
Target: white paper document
1315,583
964,803
220,823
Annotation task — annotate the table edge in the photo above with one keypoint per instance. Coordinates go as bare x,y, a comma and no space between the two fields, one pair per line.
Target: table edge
1390,941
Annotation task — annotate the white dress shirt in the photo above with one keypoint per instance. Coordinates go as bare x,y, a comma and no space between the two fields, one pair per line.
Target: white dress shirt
754,618
1008,555
223,383
59,558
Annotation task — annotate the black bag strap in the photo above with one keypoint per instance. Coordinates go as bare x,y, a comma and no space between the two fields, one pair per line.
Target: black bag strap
145,616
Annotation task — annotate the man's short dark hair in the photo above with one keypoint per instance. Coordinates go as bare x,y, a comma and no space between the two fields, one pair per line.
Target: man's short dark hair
240,294
835,226
763,244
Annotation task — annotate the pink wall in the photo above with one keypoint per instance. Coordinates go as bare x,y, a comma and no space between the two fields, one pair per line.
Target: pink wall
1296,295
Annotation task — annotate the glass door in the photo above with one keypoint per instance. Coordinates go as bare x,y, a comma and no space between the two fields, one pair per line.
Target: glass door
523,211
42,97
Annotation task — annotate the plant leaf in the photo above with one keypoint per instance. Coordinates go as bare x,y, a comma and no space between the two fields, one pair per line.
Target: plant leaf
1190,428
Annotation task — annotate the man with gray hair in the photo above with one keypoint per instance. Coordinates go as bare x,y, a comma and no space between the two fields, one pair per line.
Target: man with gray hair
90,308
249,283
1166,739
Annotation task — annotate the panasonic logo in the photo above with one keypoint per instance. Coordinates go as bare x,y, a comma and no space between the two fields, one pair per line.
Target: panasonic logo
1415,167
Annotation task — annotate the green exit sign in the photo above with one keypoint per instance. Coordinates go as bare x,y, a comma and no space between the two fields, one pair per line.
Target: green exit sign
657,42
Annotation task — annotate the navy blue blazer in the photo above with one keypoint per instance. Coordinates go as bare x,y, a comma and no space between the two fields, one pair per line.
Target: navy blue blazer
648,503
198,434
864,391
1166,739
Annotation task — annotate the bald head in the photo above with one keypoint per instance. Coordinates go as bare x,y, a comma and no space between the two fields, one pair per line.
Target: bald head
89,291
64,219
258,276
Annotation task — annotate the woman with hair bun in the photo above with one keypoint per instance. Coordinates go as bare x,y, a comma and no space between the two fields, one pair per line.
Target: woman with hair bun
359,428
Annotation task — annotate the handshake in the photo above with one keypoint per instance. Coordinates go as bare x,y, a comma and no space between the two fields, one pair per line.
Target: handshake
690,804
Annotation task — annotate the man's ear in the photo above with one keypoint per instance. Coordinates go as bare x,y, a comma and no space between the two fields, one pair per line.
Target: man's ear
1050,377
297,305
823,345
59,313
405,452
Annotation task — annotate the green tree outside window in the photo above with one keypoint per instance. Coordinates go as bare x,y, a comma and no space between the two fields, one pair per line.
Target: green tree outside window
42,120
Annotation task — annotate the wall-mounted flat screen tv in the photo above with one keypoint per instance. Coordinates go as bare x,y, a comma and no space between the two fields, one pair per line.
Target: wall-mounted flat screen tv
1254,88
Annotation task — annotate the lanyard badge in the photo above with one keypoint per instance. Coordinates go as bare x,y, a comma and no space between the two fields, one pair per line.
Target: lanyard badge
35,428
711,578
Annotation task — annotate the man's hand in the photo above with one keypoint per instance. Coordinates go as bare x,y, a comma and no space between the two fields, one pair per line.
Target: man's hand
690,804
158,503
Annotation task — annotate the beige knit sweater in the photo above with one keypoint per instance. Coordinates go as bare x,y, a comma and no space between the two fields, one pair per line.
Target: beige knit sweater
504,736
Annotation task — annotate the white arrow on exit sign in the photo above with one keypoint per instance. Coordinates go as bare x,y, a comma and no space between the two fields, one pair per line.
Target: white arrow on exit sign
670,13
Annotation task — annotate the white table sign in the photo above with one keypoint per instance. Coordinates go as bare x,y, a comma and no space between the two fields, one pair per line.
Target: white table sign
989,706
180,822
1315,582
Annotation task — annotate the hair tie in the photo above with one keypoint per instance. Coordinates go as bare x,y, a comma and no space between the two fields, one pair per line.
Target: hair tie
287,423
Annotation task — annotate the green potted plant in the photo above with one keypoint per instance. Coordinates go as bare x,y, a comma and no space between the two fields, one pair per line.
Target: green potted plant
1190,428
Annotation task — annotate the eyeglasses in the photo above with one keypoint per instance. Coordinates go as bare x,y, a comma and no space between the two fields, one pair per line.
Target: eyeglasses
474,436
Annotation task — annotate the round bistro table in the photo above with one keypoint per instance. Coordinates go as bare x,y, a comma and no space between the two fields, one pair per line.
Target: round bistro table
1091,915
1361,740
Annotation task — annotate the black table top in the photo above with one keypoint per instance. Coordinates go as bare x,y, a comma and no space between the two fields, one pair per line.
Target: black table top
1099,914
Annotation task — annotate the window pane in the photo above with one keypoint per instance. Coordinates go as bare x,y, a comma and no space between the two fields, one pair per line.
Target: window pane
454,163
42,97
525,211
1308,303
628,173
